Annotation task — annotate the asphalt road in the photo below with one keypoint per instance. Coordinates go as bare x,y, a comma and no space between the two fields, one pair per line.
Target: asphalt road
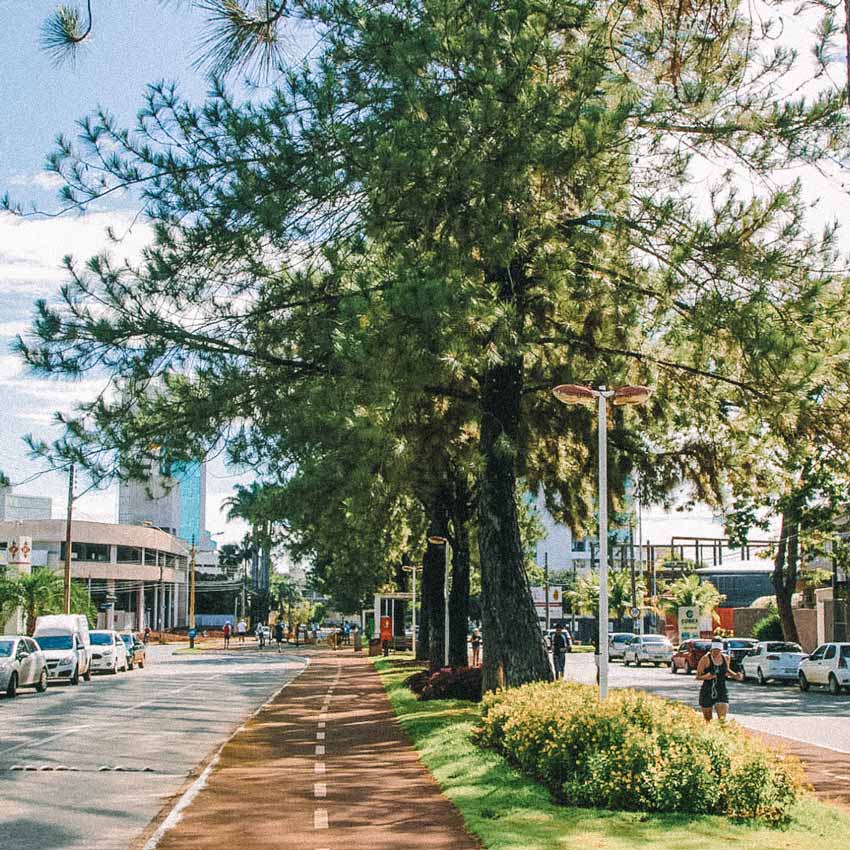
814,717
87,768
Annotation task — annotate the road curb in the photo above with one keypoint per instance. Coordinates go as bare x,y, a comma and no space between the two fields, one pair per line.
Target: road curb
172,811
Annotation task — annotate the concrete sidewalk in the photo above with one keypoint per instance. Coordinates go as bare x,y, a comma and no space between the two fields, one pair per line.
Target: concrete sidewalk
324,766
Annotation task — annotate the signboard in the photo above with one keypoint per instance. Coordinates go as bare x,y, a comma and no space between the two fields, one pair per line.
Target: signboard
556,601
20,551
688,622
386,628
634,613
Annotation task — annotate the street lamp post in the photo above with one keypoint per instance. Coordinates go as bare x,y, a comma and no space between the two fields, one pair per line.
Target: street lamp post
442,541
412,568
577,394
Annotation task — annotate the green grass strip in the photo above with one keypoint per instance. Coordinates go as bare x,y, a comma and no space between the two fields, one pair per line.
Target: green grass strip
508,811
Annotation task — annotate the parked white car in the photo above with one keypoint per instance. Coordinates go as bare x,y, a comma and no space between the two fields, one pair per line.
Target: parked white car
828,665
63,638
109,653
617,642
648,649
773,659
22,665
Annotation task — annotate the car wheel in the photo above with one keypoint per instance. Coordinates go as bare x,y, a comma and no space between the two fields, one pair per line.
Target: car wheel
87,674
637,661
12,686
130,665
657,663
114,670
834,687
760,677
803,682
688,669
673,667
41,687
75,677
626,661
141,665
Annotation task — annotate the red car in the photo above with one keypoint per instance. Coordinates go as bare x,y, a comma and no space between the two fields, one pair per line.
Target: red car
687,656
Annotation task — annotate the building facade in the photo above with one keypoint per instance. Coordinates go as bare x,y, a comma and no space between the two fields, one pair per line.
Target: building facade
15,507
136,575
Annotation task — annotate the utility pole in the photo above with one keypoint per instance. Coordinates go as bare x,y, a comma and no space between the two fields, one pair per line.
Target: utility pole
192,592
67,605
546,582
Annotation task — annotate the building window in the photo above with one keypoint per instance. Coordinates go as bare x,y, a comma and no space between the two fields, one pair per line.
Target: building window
579,545
92,552
169,560
150,557
129,555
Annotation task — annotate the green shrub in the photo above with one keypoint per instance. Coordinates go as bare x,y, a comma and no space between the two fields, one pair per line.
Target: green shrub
768,628
636,752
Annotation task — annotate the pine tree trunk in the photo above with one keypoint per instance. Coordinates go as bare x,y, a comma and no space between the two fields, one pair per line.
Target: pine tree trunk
785,572
513,651
433,577
459,596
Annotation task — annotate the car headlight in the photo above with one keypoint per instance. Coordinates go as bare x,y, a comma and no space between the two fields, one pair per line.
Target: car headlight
4,665
68,659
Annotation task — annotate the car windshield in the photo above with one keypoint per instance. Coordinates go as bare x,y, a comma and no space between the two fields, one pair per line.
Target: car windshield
55,642
128,639
783,647
101,639
6,648
654,639
845,650
702,644
739,644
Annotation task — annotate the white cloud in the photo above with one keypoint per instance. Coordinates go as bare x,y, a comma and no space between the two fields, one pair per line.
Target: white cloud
31,250
48,180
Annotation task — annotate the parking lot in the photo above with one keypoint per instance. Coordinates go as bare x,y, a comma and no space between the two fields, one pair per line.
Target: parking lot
87,767
815,717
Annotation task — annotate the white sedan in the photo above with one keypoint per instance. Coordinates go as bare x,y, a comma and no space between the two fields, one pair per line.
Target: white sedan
828,665
648,649
108,652
22,665
773,660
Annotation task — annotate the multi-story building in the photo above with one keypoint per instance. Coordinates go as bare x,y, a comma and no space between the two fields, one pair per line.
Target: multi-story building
15,507
136,575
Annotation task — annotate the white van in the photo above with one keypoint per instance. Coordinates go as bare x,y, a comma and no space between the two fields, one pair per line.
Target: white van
64,640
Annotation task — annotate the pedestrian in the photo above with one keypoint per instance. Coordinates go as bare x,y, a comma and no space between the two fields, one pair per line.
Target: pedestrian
713,670
147,635
559,651
346,628
241,629
315,632
278,634
226,630
261,634
475,642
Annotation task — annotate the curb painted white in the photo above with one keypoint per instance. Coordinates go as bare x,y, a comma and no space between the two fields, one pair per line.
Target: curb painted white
175,815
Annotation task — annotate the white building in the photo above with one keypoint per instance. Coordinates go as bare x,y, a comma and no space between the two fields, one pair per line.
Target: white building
136,575
559,547
15,507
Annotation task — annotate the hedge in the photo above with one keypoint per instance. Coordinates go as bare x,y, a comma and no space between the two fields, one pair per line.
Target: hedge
636,752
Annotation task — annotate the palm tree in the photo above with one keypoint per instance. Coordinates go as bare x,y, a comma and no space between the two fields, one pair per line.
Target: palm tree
40,592
689,591
585,597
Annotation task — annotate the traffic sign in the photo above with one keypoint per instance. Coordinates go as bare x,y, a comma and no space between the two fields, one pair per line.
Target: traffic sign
634,612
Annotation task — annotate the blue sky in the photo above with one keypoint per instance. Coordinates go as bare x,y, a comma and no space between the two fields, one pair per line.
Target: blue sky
134,43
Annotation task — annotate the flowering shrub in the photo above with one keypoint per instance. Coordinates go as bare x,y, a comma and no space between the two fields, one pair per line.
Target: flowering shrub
454,683
636,752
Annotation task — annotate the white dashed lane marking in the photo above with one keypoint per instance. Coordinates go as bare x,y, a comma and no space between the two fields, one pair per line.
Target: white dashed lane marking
320,750
320,736
320,789
320,819
319,767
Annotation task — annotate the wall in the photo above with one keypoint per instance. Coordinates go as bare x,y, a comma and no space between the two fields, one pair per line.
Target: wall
806,620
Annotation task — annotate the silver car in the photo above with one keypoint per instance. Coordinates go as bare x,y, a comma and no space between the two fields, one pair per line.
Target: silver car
617,642
22,665
648,649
